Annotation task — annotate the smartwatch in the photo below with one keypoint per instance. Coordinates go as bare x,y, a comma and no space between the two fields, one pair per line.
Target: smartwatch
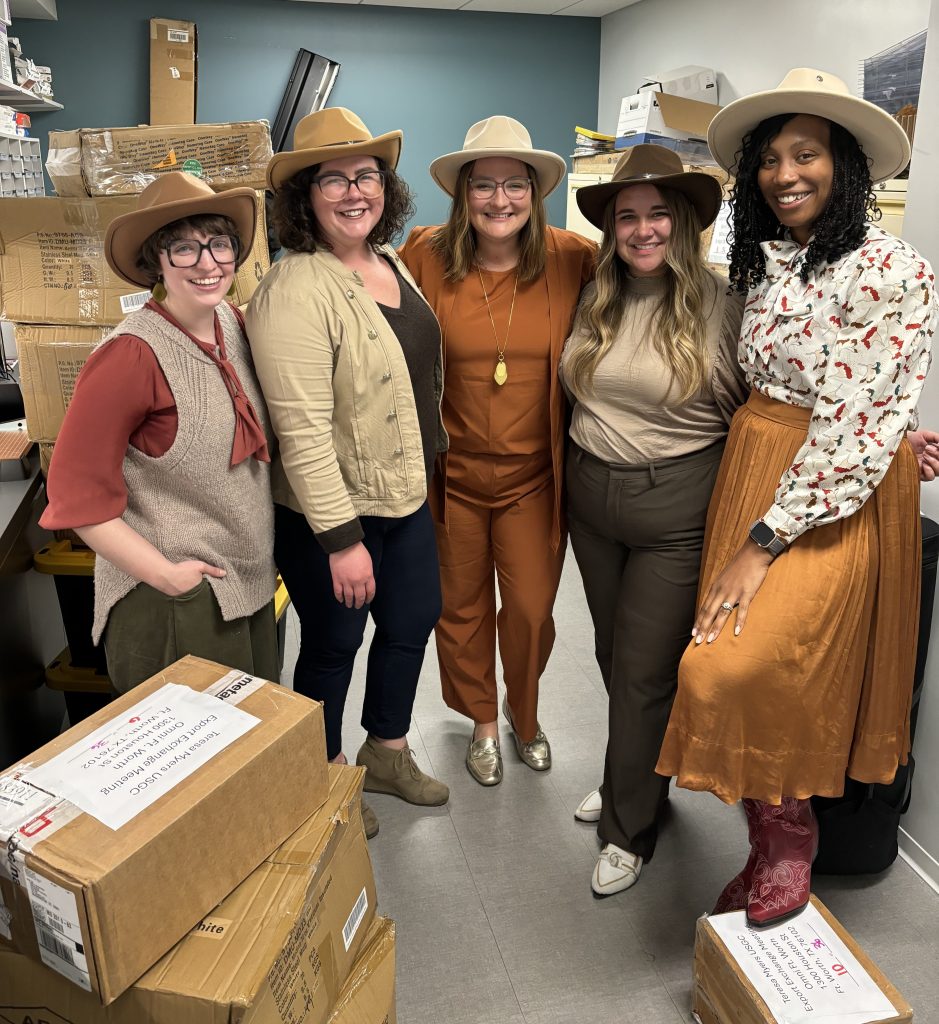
765,537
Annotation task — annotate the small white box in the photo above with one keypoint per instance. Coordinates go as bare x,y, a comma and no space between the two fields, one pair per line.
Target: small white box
692,81
673,117
6,68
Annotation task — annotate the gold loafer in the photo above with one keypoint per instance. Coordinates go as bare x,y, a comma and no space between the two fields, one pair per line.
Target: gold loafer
537,752
484,761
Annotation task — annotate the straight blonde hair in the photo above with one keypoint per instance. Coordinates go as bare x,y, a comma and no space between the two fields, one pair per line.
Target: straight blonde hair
455,242
679,323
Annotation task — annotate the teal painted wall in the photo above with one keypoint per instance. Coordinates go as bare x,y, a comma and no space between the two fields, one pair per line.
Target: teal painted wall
431,73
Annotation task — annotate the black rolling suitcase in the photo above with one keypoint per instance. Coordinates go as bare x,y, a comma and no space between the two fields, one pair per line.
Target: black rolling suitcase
858,831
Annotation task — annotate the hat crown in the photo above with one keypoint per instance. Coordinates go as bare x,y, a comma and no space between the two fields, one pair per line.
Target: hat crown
813,80
331,126
647,162
173,187
497,132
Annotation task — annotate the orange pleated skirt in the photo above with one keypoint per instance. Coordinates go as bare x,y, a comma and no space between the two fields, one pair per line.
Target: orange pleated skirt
819,683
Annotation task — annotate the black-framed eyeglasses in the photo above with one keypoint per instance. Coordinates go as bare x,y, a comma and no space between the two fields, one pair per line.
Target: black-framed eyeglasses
513,188
186,252
335,187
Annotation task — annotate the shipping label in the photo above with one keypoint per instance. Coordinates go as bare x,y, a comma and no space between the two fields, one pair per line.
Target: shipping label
354,919
136,300
234,687
58,929
124,766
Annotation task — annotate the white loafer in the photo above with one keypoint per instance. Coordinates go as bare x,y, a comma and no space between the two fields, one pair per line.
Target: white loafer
616,871
589,808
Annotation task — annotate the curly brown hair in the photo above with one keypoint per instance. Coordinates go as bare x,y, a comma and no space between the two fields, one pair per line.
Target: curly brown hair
298,229
208,223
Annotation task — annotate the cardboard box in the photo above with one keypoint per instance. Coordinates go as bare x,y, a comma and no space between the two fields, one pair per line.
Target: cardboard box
50,358
173,76
119,161
692,81
120,835
64,164
53,270
368,996
804,964
272,951
671,117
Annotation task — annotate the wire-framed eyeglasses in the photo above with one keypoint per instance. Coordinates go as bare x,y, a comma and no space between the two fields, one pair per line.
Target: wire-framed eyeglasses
513,188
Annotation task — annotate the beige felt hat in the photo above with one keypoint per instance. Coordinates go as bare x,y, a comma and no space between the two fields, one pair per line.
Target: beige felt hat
808,91
499,136
647,164
329,134
173,196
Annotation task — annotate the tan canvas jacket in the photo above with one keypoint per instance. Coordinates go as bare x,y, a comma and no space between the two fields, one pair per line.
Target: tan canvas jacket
339,394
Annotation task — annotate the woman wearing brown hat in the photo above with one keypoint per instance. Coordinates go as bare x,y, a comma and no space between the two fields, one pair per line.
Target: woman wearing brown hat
348,355
162,463
504,286
652,365
801,668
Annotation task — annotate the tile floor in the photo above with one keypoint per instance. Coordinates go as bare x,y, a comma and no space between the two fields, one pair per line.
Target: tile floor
496,922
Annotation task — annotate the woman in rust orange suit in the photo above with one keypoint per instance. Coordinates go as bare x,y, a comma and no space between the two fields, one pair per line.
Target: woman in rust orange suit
504,286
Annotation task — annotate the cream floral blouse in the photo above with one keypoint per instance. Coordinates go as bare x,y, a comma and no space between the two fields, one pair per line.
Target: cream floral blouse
852,345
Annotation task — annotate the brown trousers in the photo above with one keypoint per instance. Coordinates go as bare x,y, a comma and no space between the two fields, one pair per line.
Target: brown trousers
637,534
496,529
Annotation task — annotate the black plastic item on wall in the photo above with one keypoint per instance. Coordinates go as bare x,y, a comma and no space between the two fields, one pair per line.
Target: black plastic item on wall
858,831
308,89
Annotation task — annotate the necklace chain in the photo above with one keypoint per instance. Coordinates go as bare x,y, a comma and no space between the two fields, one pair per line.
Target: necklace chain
501,373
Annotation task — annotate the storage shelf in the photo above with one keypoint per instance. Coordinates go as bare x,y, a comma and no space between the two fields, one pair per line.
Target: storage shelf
27,102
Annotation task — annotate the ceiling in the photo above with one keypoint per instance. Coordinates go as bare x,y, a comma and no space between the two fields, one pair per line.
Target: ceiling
572,8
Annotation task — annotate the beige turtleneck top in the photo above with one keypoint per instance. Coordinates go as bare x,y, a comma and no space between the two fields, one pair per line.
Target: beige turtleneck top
631,415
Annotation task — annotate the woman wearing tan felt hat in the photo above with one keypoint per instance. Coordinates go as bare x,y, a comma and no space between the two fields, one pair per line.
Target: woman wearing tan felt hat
652,365
504,286
162,463
800,674
348,355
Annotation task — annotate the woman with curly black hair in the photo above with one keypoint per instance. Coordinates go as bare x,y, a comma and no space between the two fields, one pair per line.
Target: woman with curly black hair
812,544
348,355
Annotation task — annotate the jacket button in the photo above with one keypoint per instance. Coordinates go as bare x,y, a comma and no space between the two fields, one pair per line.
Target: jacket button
398,451
350,293
392,414
373,335
385,377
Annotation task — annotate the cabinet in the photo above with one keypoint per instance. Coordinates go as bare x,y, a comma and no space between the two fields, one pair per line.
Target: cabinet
20,167
576,221
891,200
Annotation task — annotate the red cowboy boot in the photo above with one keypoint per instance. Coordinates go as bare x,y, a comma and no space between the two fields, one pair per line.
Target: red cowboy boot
735,894
787,840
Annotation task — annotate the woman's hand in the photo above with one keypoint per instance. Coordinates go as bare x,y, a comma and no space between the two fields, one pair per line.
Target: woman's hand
179,577
353,581
926,445
736,586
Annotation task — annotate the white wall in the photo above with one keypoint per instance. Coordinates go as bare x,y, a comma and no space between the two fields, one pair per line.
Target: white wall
751,45
921,228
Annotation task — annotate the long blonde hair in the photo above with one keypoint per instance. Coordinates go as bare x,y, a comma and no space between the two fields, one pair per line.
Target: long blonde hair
455,242
679,323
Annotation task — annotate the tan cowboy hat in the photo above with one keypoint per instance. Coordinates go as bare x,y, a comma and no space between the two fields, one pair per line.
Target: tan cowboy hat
808,91
329,134
499,136
171,197
647,164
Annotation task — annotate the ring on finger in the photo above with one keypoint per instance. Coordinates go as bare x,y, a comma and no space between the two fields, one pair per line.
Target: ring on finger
727,606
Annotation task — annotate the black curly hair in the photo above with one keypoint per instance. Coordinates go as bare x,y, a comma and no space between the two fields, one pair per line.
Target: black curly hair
298,229
839,229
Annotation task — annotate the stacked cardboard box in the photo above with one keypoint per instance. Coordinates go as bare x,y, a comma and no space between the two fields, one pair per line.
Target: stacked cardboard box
296,940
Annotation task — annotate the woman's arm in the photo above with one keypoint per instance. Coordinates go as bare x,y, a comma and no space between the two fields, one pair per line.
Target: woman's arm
123,547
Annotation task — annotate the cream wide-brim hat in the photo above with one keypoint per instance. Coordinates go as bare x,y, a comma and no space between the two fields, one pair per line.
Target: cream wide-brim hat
330,134
499,136
173,196
648,164
809,91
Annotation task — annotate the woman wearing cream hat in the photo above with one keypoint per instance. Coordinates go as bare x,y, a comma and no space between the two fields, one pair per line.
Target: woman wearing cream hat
801,667
162,463
504,286
348,355
652,363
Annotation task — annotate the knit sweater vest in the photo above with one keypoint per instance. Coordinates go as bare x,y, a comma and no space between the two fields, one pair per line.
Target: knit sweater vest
190,502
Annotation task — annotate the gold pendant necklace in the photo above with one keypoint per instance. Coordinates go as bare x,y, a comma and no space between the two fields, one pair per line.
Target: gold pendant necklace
501,374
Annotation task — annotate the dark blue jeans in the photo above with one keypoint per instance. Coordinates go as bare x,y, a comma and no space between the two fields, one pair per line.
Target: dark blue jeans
405,609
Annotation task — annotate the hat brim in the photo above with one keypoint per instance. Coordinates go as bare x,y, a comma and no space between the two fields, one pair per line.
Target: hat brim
283,166
549,167
703,192
127,233
884,142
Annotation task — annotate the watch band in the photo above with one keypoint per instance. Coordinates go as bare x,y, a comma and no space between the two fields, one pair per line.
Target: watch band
765,537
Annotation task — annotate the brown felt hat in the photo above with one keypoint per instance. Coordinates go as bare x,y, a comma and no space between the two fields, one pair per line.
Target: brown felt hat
329,134
647,164
174,196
